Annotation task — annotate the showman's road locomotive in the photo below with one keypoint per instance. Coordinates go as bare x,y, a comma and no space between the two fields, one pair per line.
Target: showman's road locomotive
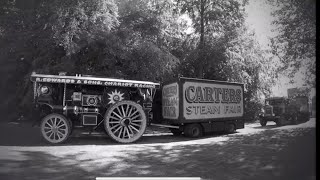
124,108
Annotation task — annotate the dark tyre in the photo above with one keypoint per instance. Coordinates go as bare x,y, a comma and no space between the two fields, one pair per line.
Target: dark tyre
55,128
280,121
71,126
175,132
294,119
263,122
193,130
230,128
125,122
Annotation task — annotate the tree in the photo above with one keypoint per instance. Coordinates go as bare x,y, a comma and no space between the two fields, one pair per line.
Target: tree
76,23
212,20
39,35
150,32
295,45
250,65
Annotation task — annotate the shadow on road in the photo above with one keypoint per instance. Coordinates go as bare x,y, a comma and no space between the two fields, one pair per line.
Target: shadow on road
261,156
266,127
26,135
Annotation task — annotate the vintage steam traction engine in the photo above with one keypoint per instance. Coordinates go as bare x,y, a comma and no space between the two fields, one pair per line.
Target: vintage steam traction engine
120,107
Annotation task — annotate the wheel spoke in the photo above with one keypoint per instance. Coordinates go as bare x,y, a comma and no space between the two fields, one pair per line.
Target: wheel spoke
119,112
50,122
129,114
117,115
128,132
137,120
114,122
116,118
120,132
60,130
133,114
135,124
55,136
59,123
127,109
114,132
124,114
55,122
133,128
60,127
131,131
51,135
47,123
124,133
48,131
117,125
60,134
135,117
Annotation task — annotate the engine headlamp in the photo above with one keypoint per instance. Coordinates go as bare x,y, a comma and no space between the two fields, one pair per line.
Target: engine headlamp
44,90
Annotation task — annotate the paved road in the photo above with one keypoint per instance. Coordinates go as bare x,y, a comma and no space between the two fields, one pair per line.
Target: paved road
255,152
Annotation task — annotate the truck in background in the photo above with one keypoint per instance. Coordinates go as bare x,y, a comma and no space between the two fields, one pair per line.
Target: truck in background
287,110
196,106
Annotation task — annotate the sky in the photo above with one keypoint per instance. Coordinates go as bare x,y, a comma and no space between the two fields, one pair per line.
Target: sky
259,19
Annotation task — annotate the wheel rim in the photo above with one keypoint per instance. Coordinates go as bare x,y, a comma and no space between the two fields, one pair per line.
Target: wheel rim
125,122
195,132
55,128
231,128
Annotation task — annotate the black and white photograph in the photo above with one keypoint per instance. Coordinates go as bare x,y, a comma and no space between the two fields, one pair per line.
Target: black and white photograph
158,89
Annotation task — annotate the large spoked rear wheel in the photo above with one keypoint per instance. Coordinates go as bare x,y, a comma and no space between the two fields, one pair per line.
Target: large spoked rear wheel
125,122
55,128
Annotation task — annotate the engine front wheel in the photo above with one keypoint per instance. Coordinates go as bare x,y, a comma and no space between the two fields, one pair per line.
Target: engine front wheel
125,122
55,128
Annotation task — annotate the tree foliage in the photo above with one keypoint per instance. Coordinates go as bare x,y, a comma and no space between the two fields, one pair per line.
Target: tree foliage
76,23
131,39
295,45
212,20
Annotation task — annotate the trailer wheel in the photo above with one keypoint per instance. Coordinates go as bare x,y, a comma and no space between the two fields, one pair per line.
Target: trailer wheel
193,130
125,122
175,132
55,128
230,128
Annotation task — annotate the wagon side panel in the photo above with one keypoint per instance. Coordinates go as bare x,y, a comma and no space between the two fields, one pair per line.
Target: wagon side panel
205,101
170,102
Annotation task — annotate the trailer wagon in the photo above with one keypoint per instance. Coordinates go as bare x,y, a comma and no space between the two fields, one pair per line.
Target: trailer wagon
195,106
